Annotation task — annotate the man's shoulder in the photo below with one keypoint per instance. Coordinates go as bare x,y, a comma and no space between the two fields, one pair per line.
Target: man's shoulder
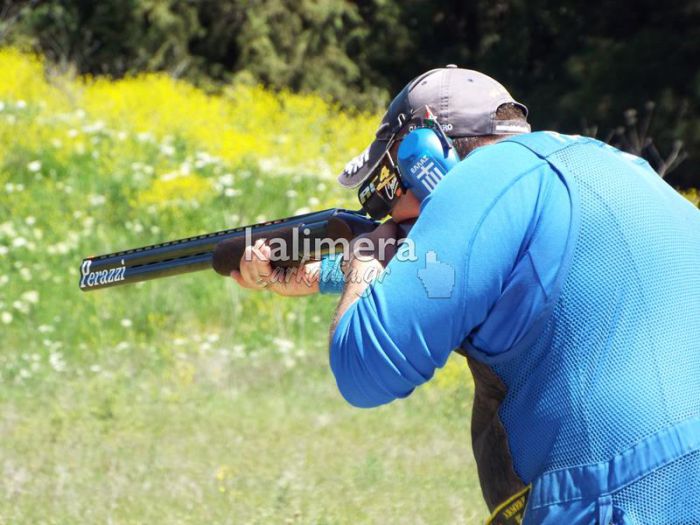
490,172
498,164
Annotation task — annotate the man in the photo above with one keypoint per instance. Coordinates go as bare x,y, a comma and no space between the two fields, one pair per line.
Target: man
567,271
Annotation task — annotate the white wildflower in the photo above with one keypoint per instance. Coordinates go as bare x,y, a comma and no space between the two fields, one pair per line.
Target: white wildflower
230,192
2,105
30,220
95,368
3,250
96,200
6,317
284,345
21,307
21,104
56,361
121,136
34,166
56,143
126,323
32,296
226,179
45,328
72,133
7,229
19,242
167,150
291,194
313,201
94,127
4,279
60,248
25,274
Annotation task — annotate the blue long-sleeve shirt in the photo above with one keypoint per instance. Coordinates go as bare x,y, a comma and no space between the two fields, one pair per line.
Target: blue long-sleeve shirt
487,246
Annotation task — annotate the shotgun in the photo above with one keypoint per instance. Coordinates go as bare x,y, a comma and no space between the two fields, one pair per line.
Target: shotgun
309,236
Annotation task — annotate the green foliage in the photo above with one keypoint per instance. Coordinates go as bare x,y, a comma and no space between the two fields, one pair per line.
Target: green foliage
574,67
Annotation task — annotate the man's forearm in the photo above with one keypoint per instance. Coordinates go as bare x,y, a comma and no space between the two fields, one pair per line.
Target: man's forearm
359,274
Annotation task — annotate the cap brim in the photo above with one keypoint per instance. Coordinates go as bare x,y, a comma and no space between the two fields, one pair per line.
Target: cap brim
359,168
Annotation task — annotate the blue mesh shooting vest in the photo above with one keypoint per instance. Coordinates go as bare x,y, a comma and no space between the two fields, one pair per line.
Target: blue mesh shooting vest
603,404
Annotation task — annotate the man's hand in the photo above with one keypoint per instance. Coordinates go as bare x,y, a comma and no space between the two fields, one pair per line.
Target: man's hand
258,274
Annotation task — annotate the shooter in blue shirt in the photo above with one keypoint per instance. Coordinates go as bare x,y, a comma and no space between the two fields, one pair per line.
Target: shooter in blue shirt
569,274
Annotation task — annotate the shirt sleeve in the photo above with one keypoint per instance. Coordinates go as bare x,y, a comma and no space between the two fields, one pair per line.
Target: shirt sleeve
472,237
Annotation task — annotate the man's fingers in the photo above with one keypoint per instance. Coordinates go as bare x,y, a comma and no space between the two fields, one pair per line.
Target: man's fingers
261,263
255,266
239,279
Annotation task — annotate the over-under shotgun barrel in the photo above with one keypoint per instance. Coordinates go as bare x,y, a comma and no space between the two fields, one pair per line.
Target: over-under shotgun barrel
223,250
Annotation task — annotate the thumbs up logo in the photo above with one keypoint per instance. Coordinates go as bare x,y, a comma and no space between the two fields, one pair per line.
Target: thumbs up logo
438,278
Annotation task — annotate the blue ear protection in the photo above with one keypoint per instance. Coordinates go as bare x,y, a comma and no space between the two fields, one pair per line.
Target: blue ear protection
424,157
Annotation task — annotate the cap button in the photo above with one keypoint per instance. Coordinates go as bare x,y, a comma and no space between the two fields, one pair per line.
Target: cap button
451,65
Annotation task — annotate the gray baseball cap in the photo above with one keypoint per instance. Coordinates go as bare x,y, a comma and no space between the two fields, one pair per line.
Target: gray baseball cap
464,102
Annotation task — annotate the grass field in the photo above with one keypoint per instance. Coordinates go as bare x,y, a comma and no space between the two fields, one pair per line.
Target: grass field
187,400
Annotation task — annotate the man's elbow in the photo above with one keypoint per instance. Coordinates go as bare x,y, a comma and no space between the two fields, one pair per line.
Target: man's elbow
358,400
354,381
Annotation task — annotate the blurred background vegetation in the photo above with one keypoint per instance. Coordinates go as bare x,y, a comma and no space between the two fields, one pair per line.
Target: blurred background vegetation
188,400
579,70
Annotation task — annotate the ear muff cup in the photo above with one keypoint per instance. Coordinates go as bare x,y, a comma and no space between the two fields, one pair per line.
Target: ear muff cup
423,160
